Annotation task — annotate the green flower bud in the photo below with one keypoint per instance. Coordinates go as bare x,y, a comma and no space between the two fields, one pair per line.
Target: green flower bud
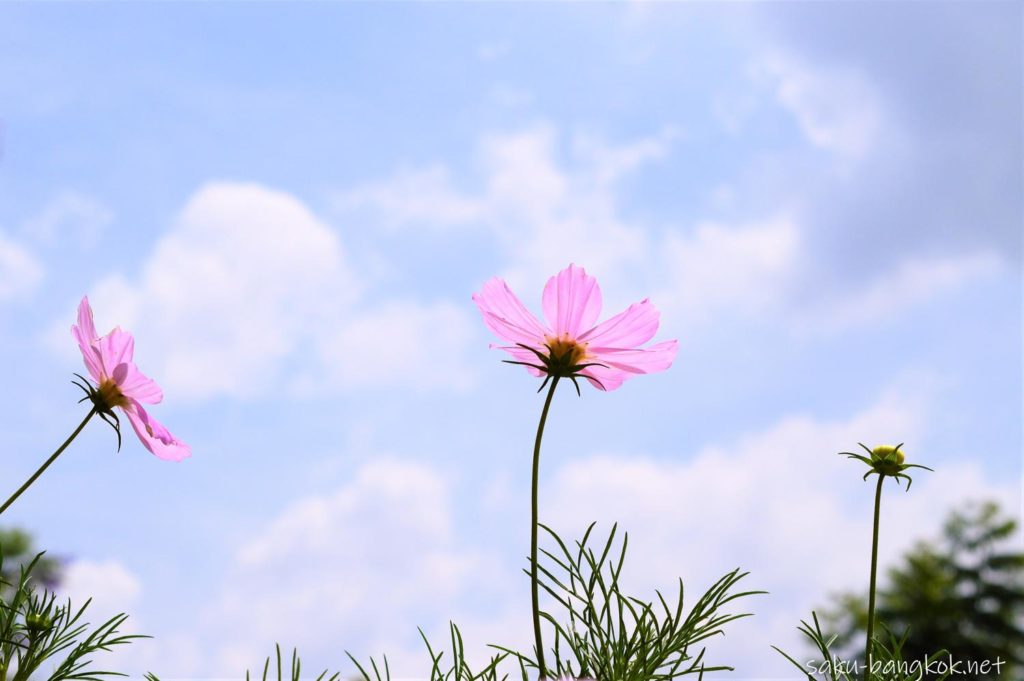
885,452
887,459
35,622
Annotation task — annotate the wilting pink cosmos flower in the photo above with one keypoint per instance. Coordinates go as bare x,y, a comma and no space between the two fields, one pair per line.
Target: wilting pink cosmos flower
571,344
120,384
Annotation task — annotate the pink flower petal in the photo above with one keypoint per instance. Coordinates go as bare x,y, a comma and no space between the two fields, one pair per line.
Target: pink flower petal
116,348
507,317
631,328
136,385
605,377
85,334
571,301
572,304
154,436
649,360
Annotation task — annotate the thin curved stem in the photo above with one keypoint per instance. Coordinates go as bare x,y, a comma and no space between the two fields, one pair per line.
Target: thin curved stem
871,588
46,464
533,531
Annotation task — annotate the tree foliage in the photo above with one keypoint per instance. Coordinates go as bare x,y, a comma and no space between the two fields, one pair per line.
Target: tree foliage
17,550
964,594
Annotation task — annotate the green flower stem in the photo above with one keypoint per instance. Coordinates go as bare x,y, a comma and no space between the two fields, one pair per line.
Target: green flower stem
871,588
53,457
533,530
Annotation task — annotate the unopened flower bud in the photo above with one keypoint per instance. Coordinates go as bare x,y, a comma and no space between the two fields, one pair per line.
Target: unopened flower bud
885,452
887,459
36,622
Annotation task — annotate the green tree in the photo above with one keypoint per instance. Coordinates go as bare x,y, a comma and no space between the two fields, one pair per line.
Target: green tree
17,551
964,594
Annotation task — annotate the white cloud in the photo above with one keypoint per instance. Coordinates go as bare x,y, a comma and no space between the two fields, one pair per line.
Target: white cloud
544,211
250,291
112,587
546,208
723,269
759,271
424,343
837,108
20,271
414,196
609,163
240,281
115,589
357,568
779,503
913,282
546,215
69,214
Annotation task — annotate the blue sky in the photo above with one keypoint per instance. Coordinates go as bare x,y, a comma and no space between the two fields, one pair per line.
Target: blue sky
290,207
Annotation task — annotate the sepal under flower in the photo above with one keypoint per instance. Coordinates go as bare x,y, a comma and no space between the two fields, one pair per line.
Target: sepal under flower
104,398
886,460
562,360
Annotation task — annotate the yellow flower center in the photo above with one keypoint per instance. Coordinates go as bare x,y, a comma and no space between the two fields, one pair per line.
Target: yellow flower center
111,395
564,347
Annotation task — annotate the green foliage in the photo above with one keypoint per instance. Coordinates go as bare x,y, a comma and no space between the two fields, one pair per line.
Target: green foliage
294,669
890,659
457,670
965,594
611,636
605,634
35,629
17,551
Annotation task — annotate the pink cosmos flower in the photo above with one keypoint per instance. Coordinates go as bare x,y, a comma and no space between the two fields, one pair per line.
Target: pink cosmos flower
120,384
571,344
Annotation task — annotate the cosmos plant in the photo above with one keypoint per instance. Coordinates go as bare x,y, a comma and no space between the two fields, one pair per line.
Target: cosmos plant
883,461
883,659
116,384
570,346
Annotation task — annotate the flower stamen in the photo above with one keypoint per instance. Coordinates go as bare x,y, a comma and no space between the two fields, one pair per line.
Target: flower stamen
566,350
109,395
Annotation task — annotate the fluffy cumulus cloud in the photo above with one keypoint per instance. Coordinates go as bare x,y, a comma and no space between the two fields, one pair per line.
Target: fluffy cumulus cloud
248,285
359,567
757,271
112,587
719,268
242,277
543,213
549,198
400,338
115,589
779,503
356,569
